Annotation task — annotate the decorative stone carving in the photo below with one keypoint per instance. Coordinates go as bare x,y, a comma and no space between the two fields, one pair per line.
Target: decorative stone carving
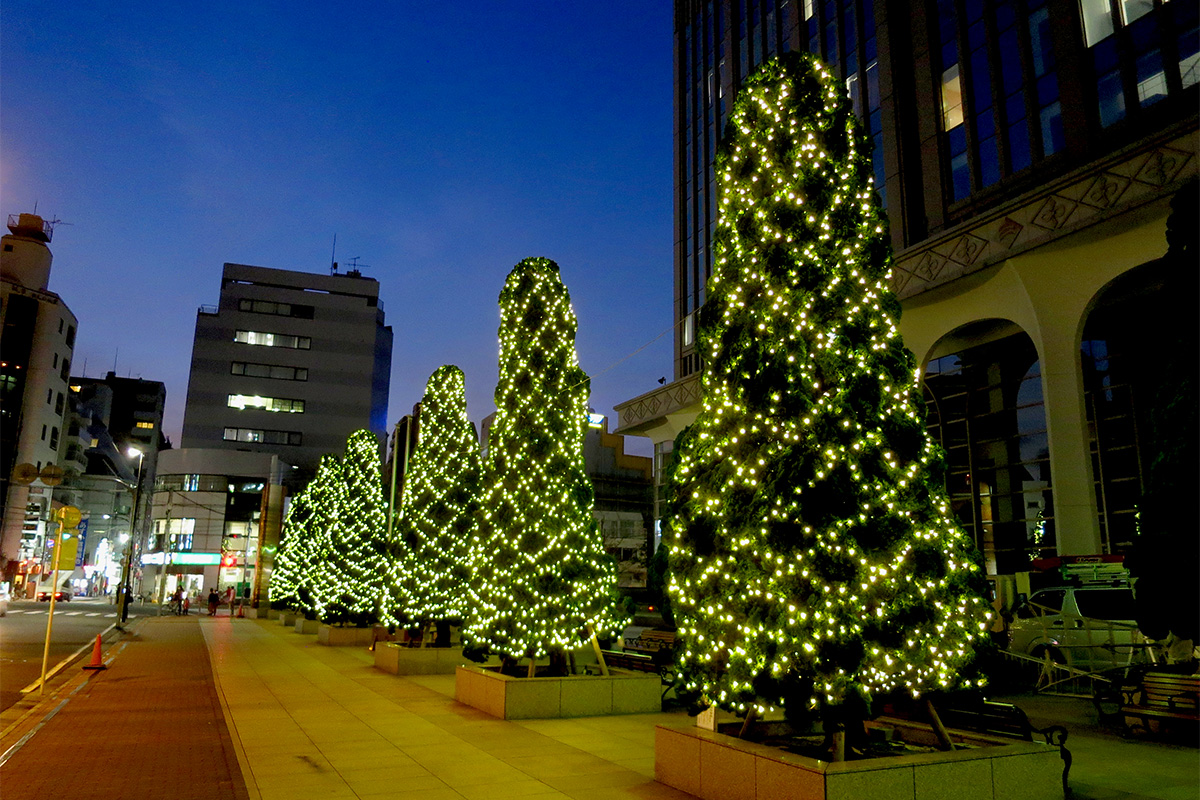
1054,212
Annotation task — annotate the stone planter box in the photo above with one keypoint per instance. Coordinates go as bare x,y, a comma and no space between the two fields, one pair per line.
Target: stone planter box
714,766
622,692
309,626
288,618
335,636
399,660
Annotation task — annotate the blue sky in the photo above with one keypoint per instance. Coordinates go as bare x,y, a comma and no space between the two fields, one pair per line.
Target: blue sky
441,143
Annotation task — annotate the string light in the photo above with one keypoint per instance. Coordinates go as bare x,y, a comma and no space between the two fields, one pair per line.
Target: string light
305,541
352,556
814,556
541,576
430,567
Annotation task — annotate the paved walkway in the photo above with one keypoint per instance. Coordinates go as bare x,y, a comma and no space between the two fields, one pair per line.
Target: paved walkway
149,726
279,716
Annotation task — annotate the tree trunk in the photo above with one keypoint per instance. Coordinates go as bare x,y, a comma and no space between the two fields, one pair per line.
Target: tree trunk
939,729
443,634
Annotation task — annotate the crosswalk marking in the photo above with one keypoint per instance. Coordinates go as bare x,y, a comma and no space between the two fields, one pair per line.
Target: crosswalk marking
94,613
71,613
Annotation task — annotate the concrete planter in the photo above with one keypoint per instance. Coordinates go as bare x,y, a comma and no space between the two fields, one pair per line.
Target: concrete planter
506,697
288,618
714,765
335,636
399,660
308,626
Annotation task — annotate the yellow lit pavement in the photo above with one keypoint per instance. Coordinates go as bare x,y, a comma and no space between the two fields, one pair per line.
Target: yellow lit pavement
322,722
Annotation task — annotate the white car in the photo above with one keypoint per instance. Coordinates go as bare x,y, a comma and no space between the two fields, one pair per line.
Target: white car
1090,627
3,599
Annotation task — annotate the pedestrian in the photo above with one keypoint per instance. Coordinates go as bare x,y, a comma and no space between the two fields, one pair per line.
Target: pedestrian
177,602
213,600
229,599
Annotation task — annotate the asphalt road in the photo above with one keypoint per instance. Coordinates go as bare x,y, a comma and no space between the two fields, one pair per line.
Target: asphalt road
23,636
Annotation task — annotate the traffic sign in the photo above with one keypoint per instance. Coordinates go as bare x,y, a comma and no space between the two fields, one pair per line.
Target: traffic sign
68,516
24,474
52,475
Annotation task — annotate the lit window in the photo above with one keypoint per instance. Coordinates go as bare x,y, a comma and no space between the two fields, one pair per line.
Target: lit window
254,401
148,425
1097,20
1135,9
273,339
264,437
952,110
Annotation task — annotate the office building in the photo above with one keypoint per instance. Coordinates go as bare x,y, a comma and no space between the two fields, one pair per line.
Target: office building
288,363
39,340
1027,154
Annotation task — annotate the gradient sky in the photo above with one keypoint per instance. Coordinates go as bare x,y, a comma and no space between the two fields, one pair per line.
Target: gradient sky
441,143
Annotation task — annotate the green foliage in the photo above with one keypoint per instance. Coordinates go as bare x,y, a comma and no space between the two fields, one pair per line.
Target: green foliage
440,503
290,558
311,551
814,557
541,573
349,582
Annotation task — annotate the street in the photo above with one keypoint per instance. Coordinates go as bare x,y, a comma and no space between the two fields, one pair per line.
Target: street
23,636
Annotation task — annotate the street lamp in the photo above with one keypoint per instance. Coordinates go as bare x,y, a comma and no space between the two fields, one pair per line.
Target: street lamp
123,590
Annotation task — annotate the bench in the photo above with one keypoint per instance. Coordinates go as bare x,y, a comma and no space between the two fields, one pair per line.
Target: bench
662,662
1006,720
1164,697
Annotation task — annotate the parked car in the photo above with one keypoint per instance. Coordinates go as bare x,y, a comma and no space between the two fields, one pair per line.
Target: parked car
64,595
1090,627
3,599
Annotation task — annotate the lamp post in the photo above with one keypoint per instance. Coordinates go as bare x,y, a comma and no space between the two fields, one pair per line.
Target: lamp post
123,590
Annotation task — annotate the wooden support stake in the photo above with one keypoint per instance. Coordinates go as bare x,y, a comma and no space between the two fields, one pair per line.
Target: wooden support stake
599,652
751,716
532,667
939,729
839,745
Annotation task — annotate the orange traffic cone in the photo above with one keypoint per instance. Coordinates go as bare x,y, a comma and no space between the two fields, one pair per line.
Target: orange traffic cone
241,611
97,660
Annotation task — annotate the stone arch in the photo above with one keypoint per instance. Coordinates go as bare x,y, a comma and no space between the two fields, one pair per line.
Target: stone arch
983,390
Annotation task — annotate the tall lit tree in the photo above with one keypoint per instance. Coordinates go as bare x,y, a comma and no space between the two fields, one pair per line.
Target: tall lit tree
313,549
542,578
815,558
441,499
352,581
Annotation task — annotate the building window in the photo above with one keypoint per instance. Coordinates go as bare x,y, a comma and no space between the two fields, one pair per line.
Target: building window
65,372
58,404
43,433
273,340
254,401
147,425
259,436
71,336
276,309
175,535
49,396
54,438
268,371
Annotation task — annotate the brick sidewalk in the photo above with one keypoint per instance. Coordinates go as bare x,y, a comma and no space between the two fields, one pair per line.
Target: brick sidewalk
150,725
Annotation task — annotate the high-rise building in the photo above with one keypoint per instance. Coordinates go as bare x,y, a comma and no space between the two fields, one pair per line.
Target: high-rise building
1027,153
288,363
39,341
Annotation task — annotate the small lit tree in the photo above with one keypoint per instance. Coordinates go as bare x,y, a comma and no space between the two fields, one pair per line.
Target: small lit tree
815,558
441,499
357,558
542,578
290,562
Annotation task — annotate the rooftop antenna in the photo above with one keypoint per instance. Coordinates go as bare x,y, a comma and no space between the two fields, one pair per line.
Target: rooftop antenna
354,265
333,257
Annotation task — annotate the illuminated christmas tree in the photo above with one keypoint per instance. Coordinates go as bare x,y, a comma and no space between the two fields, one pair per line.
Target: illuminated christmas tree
815,559
312,551
542,577
352,579
290,558
441,497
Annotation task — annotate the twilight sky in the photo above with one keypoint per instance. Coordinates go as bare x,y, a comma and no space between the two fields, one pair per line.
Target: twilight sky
441,143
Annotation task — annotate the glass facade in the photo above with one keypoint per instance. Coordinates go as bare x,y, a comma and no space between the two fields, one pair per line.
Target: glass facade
985,408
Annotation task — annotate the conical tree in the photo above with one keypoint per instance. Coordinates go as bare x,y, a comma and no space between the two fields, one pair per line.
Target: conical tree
815,559
541,574
353,581
314,549
290,558
441,499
